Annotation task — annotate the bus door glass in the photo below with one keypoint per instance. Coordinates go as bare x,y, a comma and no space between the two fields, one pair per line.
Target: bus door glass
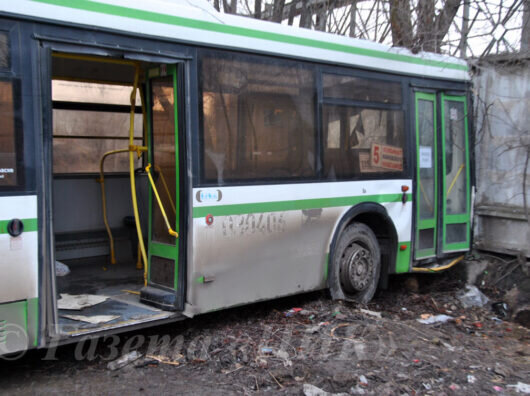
442,175
455,179
426,173
164,199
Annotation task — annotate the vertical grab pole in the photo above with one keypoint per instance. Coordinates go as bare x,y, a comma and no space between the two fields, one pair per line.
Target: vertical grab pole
131,170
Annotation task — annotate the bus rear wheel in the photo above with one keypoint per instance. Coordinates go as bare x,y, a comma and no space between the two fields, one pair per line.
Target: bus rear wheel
356,265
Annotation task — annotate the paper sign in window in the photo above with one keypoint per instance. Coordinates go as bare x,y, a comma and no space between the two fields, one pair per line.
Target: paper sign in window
425,157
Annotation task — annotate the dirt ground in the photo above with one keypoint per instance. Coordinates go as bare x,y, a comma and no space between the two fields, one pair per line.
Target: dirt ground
286,345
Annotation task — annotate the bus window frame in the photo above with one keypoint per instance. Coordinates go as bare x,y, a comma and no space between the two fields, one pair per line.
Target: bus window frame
201,180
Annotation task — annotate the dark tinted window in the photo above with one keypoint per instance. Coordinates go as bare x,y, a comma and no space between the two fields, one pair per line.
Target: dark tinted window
361,89
8,136
360,141
258,119
4,50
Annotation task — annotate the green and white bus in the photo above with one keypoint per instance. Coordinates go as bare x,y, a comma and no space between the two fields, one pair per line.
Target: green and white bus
180,161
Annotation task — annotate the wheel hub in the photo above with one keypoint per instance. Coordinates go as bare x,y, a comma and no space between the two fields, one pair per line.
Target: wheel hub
357,267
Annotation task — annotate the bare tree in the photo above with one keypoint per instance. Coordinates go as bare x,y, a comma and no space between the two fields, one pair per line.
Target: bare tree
445,26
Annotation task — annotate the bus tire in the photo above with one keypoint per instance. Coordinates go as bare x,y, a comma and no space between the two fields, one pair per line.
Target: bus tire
356,265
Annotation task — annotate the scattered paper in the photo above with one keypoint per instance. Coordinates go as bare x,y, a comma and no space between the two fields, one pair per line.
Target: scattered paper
97,319
78,302
435,319
521,387
311,390
371,313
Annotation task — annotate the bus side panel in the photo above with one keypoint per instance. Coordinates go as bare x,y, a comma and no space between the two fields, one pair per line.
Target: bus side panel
260,242
19,280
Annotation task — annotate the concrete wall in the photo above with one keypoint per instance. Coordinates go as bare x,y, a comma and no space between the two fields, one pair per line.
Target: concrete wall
502,119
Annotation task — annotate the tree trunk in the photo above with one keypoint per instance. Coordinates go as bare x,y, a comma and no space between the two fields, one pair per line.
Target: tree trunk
321,20
443,21
400,21
525,33
277,10
465,30
233,7
425,38
353,17
305,16
257,9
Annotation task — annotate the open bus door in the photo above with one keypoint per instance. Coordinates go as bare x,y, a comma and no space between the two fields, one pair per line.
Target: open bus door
443,204
166,281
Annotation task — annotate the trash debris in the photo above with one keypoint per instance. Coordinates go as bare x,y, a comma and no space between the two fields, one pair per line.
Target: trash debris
284,356
340,316
471,379
312,329
164,359
431,319
427,386
473,297
520,387
363,381
97,319
357,390
124,360
281,354
311,390
454,387
266,351
292,311
371,313
501,309
61,269
80,301
498,388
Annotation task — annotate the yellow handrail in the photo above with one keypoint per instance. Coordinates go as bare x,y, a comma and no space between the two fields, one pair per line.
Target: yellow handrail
169,229
101,181
168,193
131,171
455,179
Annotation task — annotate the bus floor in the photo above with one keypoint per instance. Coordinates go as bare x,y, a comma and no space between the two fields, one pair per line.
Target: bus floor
120,282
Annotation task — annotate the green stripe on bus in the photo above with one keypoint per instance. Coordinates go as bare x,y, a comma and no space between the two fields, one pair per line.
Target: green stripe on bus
150,16
29,225
283,206
403,258
33,319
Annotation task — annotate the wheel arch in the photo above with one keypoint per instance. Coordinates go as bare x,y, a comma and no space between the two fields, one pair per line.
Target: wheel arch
376,217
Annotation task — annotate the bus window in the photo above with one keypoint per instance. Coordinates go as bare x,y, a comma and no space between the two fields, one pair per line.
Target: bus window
361,89
258,120
8,147
90,119
360,141
4,50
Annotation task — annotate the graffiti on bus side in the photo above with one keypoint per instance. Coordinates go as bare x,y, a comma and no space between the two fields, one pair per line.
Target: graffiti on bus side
253,223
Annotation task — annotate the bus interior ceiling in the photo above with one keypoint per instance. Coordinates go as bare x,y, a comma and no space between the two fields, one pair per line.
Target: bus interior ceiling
91,116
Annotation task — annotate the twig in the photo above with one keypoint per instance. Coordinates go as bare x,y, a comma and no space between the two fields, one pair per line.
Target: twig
274,378
508,272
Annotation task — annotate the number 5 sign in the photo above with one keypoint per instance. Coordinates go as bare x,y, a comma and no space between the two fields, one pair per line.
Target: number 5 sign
388,157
